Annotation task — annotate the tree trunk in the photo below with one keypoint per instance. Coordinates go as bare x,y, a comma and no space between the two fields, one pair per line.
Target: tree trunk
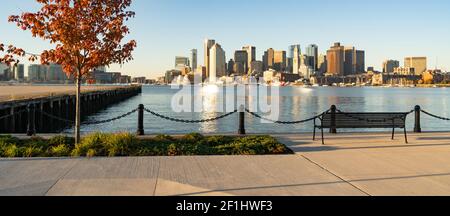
78,111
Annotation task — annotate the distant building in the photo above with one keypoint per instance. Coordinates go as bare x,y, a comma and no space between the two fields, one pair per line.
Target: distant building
230,67
360,61
335,60
405,71
208,44
241,56
268,59
101,77
418,63
217,63
193,59
322,65
251,56
139,80
19,72
181,61
55,74
312,51
171,75
238,69
296,59
280,61
257,67
389,65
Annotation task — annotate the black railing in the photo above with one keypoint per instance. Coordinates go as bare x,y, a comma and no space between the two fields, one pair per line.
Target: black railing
141,110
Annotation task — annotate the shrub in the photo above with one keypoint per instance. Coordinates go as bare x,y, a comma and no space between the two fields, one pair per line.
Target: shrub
192,138
61,150
11,151
61,140
172,150
120,144
90,142
31,151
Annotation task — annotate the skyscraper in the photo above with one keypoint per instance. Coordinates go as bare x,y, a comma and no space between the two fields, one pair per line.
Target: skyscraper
241,57
296,60
268,59
349,61
193,59
19,72
389,65
418,63
230,67
335,60
251,54
280,60
217,63
312,51
360,61
207,45
322,64
291,57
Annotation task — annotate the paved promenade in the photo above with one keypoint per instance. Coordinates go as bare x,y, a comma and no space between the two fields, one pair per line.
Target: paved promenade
350,164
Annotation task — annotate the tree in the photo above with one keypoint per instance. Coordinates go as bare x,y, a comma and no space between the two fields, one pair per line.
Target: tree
85,34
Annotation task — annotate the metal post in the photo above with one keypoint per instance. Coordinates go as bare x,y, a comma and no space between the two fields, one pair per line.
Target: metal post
333,119
31,128
241,121
417,126
140,131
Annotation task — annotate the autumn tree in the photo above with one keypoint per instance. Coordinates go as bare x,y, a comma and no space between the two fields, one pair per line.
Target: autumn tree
84,34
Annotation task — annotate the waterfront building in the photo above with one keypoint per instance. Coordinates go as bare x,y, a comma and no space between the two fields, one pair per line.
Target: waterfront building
171,75
101,77
37,73
19,72
241,56
193,59
217,63
389,65
55,74
257,67
360,61
312,51
139,80
280,61
418,63
306,71
268,59
207,46
296,60
335,60
238,69
405,71
322,65
251,56
230,67
269,75
124,79
349,61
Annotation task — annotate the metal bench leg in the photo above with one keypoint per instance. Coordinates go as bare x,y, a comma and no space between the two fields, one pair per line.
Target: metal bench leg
323,138
314,134
393,133
406,136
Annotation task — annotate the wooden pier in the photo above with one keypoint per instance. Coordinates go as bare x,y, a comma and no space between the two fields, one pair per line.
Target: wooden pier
33,101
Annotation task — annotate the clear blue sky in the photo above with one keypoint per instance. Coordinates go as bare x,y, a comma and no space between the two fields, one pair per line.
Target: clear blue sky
385,29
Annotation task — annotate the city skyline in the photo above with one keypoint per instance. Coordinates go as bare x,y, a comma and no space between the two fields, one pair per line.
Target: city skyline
392,32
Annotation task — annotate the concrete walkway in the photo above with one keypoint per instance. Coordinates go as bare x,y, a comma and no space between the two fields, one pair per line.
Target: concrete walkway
350,164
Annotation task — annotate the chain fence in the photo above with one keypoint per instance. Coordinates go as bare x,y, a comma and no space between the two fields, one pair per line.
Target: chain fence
435,116
88,123
285,122
189,121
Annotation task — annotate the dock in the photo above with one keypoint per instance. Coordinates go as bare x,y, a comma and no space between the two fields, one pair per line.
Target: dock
25,101
354,164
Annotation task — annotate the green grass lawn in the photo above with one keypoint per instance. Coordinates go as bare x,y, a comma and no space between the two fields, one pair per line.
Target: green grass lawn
126,144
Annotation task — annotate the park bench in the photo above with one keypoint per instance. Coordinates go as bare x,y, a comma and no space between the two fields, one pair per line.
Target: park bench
340,120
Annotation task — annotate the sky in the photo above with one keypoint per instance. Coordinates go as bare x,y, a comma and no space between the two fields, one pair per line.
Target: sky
163,29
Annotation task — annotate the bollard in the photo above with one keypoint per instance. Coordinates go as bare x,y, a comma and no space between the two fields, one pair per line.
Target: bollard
333,119
417,126
241,121
31,128
140,131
